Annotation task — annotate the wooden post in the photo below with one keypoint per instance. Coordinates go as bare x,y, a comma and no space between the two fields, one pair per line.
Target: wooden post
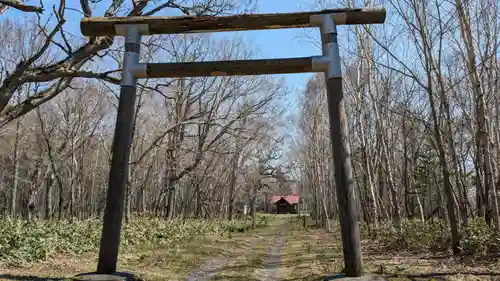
122,143
340,148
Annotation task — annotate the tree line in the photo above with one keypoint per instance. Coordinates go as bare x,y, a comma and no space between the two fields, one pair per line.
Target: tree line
423,104
422,100
202,146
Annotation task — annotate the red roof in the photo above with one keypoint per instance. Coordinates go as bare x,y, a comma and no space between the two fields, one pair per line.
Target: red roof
275,198
292,199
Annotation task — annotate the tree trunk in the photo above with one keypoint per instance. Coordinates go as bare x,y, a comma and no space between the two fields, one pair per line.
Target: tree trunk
482,139
170,202
72,180
49,180
60,204
198,200
252,205
232,186
15,185
446,177
128,195
365,150
393,199
406,177
92,195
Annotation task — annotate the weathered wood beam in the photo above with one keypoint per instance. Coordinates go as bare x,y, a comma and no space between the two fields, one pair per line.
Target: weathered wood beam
227,68
106,26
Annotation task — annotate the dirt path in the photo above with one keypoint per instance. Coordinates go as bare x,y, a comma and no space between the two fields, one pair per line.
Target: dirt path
272,262
259,263
211,267
244,260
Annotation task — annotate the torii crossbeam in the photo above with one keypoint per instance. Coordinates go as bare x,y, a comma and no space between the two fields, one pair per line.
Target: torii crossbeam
329,63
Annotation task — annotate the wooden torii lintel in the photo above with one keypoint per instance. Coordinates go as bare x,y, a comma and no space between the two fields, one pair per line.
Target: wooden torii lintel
225,68
106,26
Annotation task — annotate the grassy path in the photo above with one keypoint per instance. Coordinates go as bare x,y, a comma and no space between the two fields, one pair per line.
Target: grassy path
213,265
272,262
260,262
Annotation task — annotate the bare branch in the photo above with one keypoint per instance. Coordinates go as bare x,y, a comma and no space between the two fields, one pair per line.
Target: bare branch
168,4
20,6
87,12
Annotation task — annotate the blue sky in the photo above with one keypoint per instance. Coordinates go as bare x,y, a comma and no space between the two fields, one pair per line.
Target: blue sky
284,43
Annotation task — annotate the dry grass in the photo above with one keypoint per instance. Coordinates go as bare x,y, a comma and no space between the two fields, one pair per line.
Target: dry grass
307,255
149,264
313,253
158,263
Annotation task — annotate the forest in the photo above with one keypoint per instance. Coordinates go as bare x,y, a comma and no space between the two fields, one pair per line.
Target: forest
422,94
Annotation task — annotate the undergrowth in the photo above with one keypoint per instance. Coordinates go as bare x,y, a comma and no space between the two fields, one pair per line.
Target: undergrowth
477,238
22,241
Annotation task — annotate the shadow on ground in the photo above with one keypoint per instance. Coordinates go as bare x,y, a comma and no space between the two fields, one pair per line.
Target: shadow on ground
439,276
233,278
228,277
30,278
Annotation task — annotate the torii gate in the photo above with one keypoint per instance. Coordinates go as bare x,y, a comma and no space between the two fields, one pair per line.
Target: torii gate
329,63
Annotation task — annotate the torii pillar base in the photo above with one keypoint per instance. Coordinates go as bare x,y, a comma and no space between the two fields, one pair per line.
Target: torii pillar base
117,276
342,277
